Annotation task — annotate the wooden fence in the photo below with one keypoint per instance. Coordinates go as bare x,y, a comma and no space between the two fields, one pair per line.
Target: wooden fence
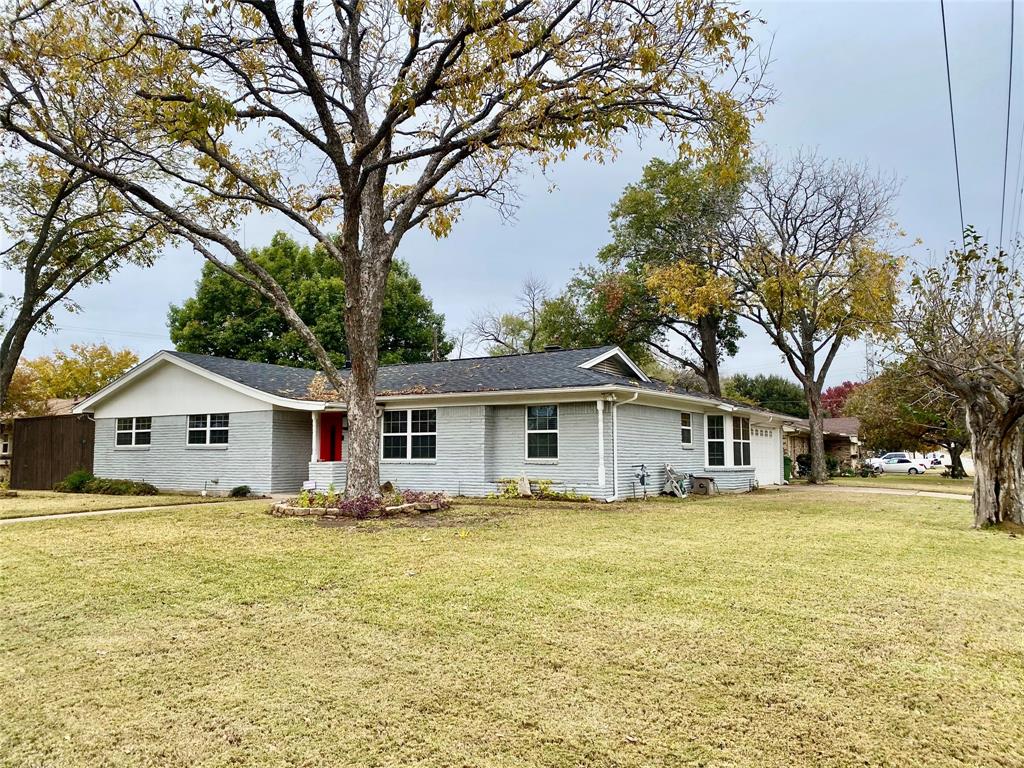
46,449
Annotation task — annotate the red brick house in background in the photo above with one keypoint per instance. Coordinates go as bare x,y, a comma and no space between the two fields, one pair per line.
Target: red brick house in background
842,440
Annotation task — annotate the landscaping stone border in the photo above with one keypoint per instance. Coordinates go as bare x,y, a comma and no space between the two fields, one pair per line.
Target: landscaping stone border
330,513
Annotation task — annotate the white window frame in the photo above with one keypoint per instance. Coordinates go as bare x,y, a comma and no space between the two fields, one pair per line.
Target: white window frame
134,431
688,427
555,432
707,441
5,445
207,430
409,434
739,440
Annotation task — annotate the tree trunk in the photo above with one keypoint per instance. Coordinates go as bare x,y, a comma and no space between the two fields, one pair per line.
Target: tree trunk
364,304
956,462
816,441
10,352
998,452
707,328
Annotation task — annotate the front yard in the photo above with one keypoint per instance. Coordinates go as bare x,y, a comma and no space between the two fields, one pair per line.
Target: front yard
32,503
775,629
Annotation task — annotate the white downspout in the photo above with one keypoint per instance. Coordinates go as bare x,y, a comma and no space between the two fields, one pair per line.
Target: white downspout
601,474
615,445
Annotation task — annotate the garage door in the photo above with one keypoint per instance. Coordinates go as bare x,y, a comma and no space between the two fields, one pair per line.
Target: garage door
766,453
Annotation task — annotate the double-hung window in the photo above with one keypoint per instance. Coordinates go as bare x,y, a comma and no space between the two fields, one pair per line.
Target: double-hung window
542,432
740,441
716,440
409,434
208,429
5,445
686,428
136,430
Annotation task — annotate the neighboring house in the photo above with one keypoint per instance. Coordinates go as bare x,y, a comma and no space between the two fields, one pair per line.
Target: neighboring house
585,419
842,440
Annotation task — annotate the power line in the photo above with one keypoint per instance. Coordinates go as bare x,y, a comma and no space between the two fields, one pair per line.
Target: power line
1006,146
952,123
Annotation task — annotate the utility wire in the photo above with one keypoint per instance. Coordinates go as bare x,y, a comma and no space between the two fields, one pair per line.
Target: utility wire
952,123
1006,145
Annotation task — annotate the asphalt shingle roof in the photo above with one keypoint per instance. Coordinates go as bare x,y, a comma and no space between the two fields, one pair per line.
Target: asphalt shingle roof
537,370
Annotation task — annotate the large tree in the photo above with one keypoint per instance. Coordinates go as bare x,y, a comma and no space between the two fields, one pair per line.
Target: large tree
903,409
666,242
965,319
77,372
812,269
227,318
357,121
513,332
768,391
67,231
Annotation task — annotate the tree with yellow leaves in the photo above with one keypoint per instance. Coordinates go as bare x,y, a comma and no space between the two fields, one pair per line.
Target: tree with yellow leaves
67,230
808,263
358,121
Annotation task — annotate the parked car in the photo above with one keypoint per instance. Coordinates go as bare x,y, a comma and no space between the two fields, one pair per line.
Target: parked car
877,461
905,465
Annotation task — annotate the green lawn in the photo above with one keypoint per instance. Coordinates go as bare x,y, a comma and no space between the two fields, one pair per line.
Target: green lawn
931,481
31,503
778,629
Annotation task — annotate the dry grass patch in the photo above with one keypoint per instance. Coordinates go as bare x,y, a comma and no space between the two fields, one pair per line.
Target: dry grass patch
774,629
32,503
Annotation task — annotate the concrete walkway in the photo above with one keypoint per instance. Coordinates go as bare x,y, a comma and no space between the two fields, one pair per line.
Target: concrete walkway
885,491
94,512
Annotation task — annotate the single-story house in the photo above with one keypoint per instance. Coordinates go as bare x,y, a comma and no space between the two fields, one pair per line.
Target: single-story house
842,439
585,419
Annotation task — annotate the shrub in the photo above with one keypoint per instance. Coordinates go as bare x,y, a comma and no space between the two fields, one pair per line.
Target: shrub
803,462
112,487
75,482
240,492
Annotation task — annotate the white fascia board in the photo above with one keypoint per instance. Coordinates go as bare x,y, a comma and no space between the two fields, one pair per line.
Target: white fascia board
164,357
616,351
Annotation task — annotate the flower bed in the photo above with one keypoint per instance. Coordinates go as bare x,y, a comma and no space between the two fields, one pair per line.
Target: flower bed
331,505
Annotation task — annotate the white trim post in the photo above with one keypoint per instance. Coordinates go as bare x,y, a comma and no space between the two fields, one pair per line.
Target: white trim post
314,456
600,444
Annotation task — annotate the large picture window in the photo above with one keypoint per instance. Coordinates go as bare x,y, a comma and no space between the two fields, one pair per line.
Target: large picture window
542,432
740,441
716,441
137,430
686,429
208,429
409,434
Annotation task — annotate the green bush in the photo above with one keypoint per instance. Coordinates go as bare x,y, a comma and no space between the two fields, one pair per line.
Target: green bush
75,482
83,481
240,492
111,487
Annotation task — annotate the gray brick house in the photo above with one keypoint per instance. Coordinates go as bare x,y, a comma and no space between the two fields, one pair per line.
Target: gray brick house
585,419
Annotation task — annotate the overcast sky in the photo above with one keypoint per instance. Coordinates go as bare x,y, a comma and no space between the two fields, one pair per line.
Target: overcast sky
860,81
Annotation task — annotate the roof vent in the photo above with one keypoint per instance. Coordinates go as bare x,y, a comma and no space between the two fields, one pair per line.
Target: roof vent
552,347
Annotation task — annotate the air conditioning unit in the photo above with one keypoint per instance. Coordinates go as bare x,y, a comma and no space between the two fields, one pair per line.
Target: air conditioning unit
704,486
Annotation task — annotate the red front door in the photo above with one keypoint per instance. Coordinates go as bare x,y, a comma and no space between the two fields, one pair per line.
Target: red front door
330,436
